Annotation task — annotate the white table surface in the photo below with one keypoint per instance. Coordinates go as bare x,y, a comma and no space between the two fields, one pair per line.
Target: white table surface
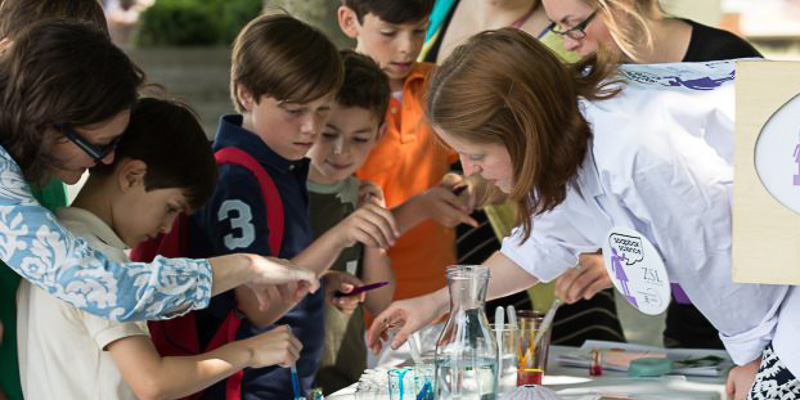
576,384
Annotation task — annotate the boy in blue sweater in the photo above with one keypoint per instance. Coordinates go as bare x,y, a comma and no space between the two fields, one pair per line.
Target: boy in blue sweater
284,76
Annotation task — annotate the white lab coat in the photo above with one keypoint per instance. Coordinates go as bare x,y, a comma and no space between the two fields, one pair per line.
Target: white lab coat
660,163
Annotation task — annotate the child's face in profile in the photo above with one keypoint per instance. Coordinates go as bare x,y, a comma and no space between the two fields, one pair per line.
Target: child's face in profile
394,47
140,215
289,129
345,143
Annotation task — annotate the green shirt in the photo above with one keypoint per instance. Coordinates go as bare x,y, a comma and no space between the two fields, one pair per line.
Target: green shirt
344,355
52,196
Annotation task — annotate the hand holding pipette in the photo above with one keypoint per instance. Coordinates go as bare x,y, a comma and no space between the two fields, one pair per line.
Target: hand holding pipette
278,346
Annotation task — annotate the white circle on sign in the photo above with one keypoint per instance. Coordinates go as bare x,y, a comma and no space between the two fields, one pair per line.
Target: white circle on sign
777,155
637,270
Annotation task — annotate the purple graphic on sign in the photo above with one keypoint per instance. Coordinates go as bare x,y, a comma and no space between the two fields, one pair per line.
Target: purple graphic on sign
797,161
620,276
704,83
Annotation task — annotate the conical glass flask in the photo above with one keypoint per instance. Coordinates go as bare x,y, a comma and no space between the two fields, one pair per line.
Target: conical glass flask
466,352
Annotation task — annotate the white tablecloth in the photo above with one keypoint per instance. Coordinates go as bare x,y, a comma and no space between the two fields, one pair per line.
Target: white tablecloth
576,384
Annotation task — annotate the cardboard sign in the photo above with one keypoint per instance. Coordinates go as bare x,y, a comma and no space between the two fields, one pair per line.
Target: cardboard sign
766,190
637,270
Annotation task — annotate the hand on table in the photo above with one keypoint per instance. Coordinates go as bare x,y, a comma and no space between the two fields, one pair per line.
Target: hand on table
740,379
584,281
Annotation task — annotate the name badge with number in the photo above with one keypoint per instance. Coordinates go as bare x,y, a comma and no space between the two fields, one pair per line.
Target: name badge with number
637,270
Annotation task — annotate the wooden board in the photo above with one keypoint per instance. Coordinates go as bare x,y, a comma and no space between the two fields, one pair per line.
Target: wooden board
766,234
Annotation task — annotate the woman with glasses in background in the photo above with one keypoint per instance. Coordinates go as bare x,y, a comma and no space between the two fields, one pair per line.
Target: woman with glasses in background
640,32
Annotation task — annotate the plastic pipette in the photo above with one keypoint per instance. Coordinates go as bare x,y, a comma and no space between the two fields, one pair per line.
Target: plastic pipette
295,383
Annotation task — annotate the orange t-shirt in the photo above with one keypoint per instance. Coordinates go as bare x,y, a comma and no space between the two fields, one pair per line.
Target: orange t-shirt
409,160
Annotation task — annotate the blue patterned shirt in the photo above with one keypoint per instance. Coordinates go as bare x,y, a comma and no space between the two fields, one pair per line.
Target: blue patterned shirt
43,252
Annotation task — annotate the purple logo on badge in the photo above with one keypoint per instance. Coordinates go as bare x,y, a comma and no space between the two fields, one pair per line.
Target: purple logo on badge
619,274
797,161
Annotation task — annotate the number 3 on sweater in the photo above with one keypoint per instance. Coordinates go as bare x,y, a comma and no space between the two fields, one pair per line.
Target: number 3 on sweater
241,217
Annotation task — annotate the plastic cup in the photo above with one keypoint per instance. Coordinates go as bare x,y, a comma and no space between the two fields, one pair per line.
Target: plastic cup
508,357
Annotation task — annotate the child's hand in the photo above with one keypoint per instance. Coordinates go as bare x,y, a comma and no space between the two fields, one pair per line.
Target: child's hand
445,207
370,224
337,281
370,193
468,196
277,346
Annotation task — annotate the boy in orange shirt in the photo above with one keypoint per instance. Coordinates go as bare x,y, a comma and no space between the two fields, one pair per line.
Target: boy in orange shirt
408,160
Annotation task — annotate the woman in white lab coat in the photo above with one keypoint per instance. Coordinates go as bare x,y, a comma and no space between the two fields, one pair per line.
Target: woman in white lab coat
580,155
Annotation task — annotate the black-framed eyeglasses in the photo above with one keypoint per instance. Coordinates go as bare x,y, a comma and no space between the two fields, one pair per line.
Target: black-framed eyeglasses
98,153
578,31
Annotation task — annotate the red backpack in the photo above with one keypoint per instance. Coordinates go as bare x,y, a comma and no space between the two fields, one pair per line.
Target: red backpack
179,336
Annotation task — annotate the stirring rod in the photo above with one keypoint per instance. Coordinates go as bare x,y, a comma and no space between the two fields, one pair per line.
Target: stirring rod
413,344
546,322
499,325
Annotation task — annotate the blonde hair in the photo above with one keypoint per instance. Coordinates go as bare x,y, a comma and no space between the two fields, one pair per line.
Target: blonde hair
628,22
504,87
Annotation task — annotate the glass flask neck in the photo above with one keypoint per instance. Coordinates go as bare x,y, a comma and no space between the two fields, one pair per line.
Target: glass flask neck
467,285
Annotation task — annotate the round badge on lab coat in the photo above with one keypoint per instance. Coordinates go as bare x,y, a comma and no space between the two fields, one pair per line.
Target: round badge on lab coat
777,155
637,270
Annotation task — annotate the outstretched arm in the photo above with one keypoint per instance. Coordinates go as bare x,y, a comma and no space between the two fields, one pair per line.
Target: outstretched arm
411,315
153,377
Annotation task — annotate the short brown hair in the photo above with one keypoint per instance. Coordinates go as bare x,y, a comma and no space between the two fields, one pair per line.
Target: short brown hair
16,15
59,73
286,59
365,85
166,135
391,11
504,87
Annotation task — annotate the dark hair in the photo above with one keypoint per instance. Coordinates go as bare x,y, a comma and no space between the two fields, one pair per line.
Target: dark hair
391,11
505,87
167,136
16,15
286,59
59,73
365,85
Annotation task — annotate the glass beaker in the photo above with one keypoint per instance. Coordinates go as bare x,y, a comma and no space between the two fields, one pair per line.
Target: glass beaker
466,352
532,348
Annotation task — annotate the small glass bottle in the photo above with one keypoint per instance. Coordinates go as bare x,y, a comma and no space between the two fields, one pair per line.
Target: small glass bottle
466,352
